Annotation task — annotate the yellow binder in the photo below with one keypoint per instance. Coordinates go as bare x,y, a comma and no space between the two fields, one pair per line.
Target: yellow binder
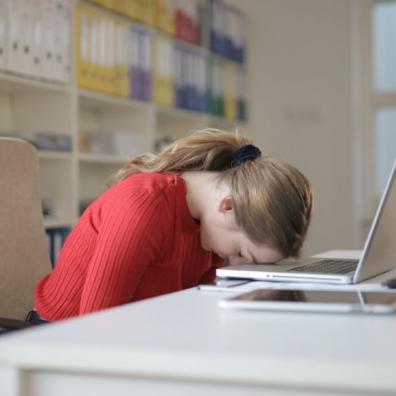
163,77
230,91
83,46
121,75
164,18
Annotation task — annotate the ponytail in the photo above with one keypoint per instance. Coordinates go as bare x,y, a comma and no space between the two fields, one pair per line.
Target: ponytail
204,150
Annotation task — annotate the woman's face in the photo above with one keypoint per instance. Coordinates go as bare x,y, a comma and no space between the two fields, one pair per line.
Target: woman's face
221,234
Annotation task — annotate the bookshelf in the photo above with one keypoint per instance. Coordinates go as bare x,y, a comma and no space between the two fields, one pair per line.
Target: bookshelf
46,106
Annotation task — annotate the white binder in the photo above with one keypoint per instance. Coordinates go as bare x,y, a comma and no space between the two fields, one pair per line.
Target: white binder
62,41
13,36
48,49
36,9
24,33
3,15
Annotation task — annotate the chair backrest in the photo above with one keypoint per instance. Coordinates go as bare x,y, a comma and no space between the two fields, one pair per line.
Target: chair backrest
24,256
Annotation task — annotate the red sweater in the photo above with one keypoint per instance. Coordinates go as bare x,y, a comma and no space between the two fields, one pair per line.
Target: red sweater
137,240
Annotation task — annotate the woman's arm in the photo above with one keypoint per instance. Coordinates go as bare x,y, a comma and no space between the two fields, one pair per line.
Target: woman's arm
129,239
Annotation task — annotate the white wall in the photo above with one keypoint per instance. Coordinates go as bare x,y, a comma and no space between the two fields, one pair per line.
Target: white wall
300,93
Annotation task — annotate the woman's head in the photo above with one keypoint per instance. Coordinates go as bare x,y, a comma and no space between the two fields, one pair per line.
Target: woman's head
270,199
272,203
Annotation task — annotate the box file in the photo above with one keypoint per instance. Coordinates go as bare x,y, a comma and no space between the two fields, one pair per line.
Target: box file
141,63
163,71
148,14
121,76
133,9
108,61
230,100
145,52
241,97
37,38
48,49
25,29
121,6
62,41
99,60
3,37
83,46
186,21
134,64
56,239
165,16
13,37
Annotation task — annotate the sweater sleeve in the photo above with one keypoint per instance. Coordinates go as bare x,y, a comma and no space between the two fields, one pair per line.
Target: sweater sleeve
129,239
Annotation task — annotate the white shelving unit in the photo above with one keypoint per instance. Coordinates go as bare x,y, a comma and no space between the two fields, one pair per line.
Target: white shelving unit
29,106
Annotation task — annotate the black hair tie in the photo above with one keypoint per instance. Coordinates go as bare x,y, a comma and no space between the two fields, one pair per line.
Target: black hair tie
248,152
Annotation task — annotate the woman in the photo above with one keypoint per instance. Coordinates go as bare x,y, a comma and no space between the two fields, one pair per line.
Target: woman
169,220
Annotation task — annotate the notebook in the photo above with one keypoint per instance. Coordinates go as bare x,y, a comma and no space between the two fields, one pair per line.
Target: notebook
378,256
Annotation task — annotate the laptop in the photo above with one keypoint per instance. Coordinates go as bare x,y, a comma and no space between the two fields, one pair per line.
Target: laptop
378,256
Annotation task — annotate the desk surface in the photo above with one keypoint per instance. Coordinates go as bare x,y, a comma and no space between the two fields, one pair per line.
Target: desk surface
186,336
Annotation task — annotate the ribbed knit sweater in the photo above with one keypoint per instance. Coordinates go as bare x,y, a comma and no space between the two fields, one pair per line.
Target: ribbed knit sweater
137,240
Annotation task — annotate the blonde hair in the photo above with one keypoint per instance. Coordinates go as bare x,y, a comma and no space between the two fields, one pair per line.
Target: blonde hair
272,199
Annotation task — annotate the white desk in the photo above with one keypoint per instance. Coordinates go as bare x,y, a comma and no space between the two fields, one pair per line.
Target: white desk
183,344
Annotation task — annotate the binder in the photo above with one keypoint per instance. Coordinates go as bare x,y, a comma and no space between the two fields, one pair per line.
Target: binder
217,88
26,35
104,3
194,10
48,50
178,81
221,94
230,100
241,96
226,30
13,37
202,83
96,52
237,33
158,70
121,6
183,79
3,37
83,46
214,21
186,21
56,239
133,9
165,16
99,60
148,14
138,10
134,64
145,52
37,39
141,63
109,61
122,83
62,37
170,73
163,71
191,89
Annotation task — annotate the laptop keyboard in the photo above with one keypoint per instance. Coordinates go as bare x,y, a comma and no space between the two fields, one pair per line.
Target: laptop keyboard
328,266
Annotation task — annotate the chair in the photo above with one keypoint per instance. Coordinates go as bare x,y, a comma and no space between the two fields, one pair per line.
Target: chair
24,256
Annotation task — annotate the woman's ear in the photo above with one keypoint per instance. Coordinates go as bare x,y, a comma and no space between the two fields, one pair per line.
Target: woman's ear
225,205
